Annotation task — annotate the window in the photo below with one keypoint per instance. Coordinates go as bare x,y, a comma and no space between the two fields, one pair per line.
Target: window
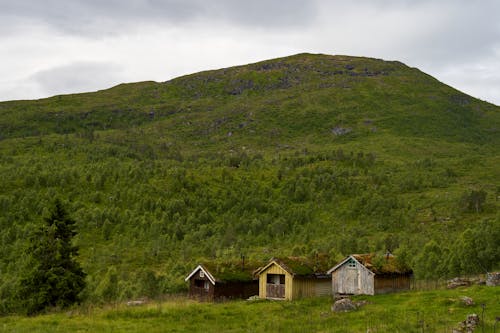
202,274
205,284
275,279
351,263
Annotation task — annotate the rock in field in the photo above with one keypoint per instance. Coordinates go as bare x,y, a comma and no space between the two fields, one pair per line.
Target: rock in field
467,301
343,305
468,325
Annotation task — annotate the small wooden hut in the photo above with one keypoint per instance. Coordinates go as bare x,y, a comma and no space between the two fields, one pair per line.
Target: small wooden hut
292,278
221,281
366,274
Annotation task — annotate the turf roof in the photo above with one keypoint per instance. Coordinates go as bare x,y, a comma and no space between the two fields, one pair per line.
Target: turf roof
303,266
382,264
232,270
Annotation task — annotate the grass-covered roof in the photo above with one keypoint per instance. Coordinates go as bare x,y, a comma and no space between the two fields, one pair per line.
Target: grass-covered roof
224,271
303,266
382,264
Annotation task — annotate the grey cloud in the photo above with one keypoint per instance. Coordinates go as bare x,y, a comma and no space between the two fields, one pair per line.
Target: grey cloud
91,17
426,32
468,33
80,76
264,13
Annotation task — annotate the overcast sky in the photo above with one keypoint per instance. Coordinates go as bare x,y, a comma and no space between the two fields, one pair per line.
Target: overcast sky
50,47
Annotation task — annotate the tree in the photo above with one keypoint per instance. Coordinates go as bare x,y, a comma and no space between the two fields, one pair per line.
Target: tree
473,201
54,277
476,250
429,263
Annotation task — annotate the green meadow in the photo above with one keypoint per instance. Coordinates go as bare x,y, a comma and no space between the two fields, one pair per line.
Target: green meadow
413,311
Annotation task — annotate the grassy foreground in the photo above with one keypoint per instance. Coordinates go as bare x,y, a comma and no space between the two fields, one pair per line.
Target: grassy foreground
422,311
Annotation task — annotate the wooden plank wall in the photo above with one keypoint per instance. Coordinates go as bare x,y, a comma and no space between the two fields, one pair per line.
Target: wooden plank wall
310,287
323,287
303,288
391,283
235,289
352,280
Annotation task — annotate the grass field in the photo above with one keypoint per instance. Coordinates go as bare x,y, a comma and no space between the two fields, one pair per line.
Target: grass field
414,311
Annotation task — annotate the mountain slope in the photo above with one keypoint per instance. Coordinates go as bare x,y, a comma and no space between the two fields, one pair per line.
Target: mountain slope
313,91
290,156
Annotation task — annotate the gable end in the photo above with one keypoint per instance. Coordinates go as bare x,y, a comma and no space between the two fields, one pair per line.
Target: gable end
205,272
344,262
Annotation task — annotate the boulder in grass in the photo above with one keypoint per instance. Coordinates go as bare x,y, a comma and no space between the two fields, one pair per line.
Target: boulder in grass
343,305
458,282
493,279
137,302
338,131
467,301
468,325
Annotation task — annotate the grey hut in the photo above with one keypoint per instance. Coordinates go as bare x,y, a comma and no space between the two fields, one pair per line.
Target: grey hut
357,274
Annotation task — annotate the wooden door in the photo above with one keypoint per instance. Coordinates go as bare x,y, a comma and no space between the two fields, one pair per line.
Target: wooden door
275,287
275,291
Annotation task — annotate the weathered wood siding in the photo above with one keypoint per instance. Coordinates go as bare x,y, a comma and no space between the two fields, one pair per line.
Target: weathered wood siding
303,288
235,289
310,287
275,269
352,280
391,283
323,287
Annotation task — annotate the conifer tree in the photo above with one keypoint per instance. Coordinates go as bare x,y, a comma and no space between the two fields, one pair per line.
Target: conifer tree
54,278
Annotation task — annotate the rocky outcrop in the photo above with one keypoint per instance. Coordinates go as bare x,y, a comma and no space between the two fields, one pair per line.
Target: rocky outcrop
138,302
338,131
458,282
467,301
343,305
493,279
468,325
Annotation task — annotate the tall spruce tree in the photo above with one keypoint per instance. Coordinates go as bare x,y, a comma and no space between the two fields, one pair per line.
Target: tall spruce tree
54,278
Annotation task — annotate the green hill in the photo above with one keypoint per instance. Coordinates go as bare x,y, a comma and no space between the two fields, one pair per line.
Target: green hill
293,156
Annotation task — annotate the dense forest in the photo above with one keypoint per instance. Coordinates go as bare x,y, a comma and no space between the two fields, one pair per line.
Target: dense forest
294,156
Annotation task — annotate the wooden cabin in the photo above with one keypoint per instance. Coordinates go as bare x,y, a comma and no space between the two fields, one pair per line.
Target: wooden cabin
292,278
214,282
368,275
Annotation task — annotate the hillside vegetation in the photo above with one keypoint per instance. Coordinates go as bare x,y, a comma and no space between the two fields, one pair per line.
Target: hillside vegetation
294,156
